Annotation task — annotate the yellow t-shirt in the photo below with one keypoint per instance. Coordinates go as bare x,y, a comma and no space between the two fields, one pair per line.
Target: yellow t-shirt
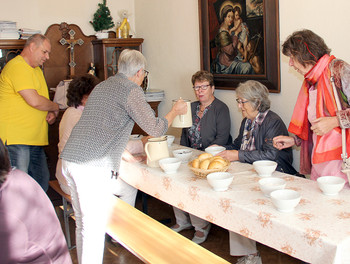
19,122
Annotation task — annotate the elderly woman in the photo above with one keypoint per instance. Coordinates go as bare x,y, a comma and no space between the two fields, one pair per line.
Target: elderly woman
91,157
254,142
211,125
316,120
210,116
259,126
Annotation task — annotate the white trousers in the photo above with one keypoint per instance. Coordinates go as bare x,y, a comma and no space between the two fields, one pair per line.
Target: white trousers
183,218
241,245
92,191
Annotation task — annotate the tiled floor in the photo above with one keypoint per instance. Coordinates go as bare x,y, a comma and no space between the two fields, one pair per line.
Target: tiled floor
217,242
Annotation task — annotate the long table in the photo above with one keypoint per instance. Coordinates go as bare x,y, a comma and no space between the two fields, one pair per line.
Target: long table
317,231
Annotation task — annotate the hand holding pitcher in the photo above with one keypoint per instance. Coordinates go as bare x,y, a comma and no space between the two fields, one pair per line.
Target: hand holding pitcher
184,118
180,106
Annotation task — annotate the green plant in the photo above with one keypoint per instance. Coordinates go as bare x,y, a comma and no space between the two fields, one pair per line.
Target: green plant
102,18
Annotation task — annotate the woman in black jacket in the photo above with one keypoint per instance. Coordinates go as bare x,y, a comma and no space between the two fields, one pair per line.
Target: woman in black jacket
254,142
259,126
211,125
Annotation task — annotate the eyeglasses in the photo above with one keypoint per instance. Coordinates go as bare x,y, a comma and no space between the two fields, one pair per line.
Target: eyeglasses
240,101
146,73
203,87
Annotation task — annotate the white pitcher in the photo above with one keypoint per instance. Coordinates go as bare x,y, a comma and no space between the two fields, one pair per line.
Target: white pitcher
156,149
185,120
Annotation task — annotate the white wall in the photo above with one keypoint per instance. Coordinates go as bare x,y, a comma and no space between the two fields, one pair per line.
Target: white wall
40,14
171,32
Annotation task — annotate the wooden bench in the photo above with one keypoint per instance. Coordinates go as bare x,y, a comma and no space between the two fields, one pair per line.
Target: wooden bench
67,210
152,241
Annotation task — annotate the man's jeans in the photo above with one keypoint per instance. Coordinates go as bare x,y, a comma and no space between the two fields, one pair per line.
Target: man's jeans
32,160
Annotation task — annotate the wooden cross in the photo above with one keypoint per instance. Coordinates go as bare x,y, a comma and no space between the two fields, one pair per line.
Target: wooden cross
71,43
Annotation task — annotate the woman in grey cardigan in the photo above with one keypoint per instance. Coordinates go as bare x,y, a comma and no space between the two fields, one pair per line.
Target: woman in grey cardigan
91,157
211,125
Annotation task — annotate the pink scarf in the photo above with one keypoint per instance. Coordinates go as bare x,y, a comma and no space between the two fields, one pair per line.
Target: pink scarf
328,146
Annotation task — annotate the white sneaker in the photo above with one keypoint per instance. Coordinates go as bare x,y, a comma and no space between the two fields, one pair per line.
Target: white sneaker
250,259
179,228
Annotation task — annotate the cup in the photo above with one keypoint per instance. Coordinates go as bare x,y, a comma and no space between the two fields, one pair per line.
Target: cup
185,120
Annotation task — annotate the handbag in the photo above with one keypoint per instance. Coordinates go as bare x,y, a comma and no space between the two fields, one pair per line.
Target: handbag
344,117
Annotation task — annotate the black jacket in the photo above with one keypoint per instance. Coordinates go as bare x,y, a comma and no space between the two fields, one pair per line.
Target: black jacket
215,125
271,127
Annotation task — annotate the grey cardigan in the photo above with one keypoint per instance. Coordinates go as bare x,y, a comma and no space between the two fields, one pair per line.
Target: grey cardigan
215,125
100,136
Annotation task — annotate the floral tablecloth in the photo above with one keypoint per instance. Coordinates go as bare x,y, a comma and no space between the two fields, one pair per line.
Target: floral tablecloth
317,231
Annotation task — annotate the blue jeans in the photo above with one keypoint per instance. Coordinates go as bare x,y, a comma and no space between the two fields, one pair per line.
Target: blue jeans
32,160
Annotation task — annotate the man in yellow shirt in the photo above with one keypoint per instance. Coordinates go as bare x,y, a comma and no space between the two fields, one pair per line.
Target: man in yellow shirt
25,109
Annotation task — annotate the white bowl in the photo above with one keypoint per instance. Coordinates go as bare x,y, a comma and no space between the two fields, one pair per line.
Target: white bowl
265,168
170,139
330,185
268,185
183,154
285,200
220,181
170,165
214,150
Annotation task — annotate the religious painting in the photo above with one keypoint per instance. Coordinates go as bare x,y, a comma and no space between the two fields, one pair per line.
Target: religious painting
240,41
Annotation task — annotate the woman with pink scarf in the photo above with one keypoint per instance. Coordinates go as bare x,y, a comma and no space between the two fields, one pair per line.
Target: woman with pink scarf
316,121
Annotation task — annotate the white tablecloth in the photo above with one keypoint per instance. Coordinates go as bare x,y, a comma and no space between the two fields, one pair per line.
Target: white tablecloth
318,231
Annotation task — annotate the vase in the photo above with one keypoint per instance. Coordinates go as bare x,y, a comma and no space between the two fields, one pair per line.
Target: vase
101,35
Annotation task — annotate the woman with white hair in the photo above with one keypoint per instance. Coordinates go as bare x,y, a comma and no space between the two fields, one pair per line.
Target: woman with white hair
254,142
91,157
259,126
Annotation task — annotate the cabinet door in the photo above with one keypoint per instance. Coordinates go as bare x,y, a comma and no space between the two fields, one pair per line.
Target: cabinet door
9,48
107,52
112,57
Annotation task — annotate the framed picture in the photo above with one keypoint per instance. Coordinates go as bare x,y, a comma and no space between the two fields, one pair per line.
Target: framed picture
240,41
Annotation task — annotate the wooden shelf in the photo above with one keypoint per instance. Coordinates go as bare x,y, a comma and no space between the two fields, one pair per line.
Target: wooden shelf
12,43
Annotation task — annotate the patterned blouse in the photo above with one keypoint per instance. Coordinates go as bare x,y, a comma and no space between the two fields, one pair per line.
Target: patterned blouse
194,133
113,107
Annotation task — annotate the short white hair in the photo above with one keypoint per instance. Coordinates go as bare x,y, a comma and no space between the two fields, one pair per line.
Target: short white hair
256,93
130,62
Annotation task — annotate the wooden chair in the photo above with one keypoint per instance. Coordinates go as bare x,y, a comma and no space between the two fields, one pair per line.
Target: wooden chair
67,210
152,241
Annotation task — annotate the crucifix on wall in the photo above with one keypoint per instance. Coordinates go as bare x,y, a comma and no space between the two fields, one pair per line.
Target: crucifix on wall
71,42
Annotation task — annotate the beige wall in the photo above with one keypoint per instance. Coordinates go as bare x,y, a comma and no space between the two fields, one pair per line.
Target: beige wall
40,14
170,29
171,32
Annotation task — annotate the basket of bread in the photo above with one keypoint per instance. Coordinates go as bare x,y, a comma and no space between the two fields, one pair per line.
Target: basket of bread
206,163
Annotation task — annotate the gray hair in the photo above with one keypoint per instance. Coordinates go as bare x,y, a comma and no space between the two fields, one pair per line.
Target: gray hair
37,39
256,93
130,62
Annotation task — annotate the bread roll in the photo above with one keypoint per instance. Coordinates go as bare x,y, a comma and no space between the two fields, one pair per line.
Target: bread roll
204,156
195,163
215,164
219,159
204,164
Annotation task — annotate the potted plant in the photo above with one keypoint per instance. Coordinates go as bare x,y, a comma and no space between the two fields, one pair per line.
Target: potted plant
102,20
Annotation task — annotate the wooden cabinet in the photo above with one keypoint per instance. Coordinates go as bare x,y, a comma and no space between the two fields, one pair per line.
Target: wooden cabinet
137,129
107,51
10,48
